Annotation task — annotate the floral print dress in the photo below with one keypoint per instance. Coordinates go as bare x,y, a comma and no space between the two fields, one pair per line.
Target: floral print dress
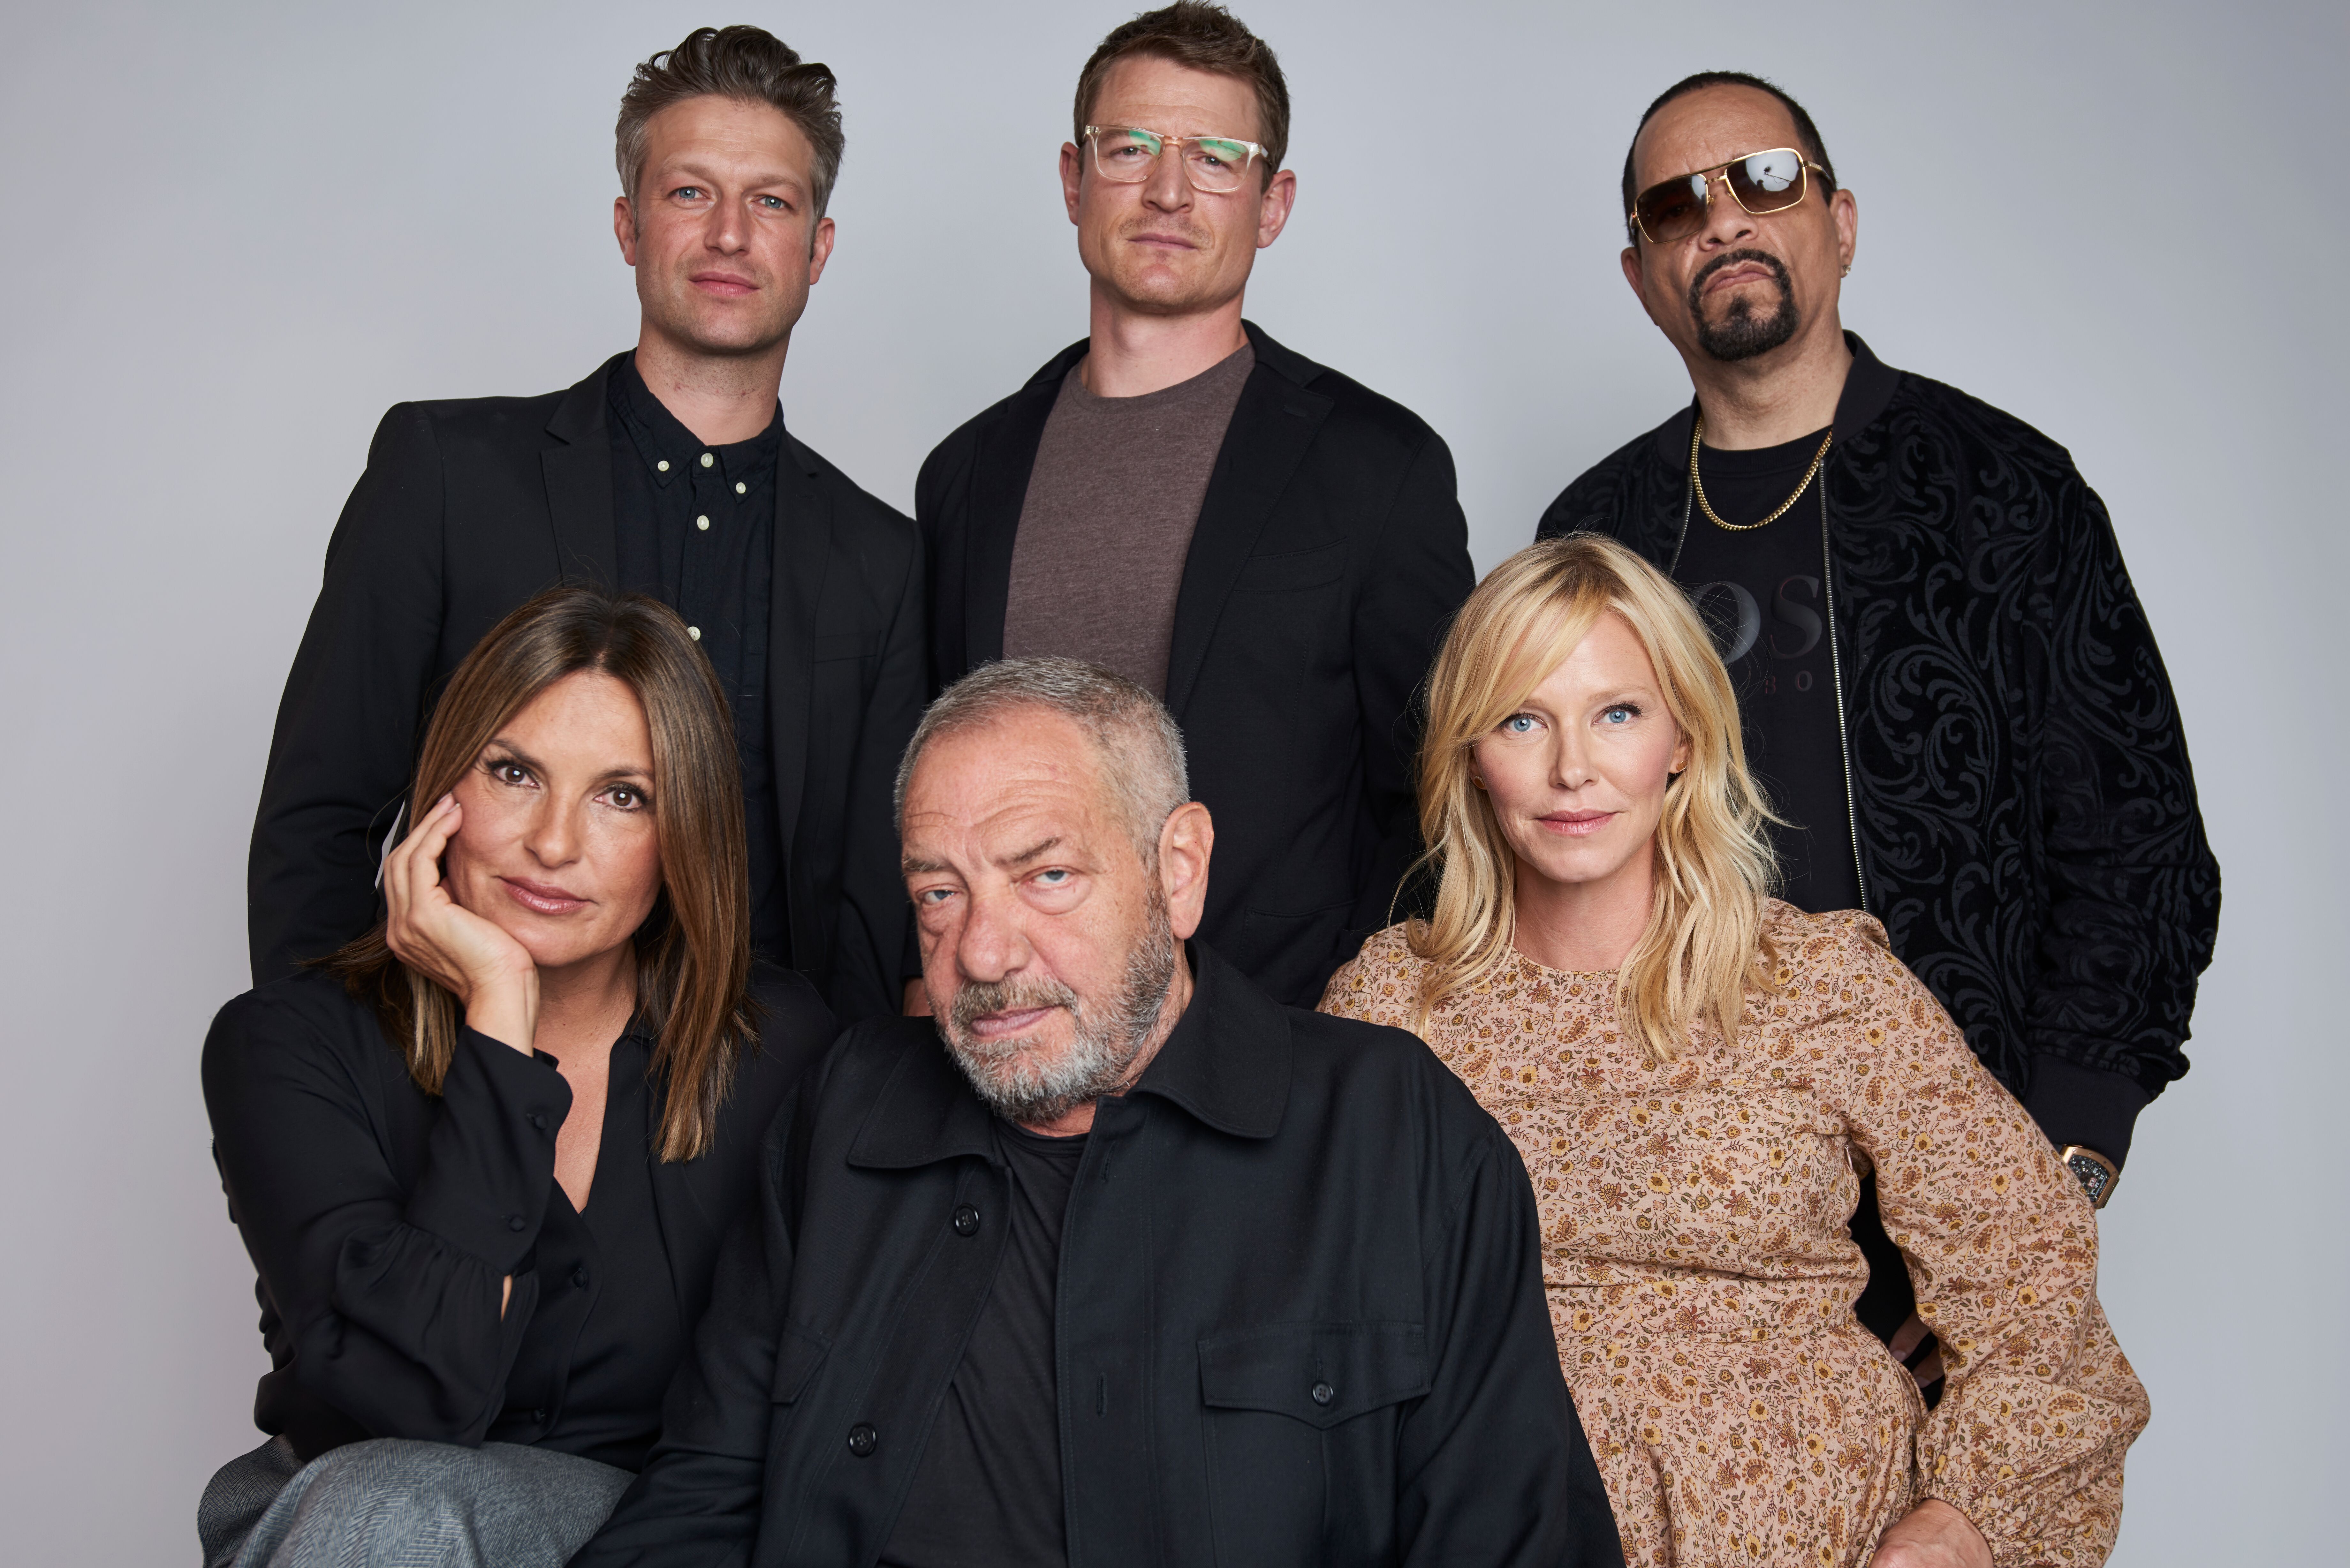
1701,1279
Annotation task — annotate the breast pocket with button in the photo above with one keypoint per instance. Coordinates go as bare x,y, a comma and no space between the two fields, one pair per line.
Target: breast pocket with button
1300,1425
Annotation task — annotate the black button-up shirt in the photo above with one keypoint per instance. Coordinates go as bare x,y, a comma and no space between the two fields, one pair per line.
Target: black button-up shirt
384,1221
695,528
1298,1316
588,1376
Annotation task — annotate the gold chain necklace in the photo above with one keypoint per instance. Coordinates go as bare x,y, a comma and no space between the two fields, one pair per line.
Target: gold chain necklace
1697,438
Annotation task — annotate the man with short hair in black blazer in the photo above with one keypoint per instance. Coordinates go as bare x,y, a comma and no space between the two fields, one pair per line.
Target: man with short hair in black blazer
668,471
1269,546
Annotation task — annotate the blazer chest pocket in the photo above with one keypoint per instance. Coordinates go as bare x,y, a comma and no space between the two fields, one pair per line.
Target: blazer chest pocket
1301,1423
1294,571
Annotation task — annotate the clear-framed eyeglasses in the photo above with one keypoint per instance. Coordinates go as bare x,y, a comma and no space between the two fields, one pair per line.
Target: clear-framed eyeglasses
1128,153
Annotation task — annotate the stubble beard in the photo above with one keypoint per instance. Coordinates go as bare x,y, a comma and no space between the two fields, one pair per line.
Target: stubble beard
1742,334
1017,1079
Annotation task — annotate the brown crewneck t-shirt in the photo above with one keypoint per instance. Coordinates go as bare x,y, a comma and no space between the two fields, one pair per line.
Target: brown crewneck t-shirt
1109,517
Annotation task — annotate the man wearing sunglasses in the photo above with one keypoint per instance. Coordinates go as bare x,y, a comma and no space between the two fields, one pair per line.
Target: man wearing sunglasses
1267,545
1948,687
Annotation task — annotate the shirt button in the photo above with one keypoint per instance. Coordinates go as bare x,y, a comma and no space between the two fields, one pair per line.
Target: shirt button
863,1439
966,1219
707,460
580,1276
538,1121
741,488
694,632
703,524
1322,1393
662,465
515,1222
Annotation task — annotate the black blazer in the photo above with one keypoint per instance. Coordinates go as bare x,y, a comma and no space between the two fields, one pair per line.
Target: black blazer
1300,1315
381,1220
1329,554
468,508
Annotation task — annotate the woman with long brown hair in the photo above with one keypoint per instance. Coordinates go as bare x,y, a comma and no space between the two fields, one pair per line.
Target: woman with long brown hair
1696,1075
483,1156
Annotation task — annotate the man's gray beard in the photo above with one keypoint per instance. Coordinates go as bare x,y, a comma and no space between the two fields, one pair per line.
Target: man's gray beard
1740,333
1015,1079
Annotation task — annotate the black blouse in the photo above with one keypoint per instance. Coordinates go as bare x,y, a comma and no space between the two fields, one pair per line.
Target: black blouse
382,1221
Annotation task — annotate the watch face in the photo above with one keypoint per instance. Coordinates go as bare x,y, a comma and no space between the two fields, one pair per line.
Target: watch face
2095,1178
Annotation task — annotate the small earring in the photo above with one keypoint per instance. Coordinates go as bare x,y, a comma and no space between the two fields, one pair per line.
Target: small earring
1846,272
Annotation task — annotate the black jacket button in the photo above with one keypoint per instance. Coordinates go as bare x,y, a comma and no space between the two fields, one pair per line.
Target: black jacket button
515,1222
580,1276
1322,1393
863,1439
966,1219
539,1416
538,1121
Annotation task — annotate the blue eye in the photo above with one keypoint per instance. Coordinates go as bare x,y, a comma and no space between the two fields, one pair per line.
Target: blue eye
1518,724
1055,877
1621,714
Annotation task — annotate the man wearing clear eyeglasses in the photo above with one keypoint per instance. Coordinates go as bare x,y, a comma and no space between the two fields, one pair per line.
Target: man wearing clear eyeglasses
1267,545
1949,688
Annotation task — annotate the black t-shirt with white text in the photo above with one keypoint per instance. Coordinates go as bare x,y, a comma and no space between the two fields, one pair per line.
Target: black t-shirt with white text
1762,593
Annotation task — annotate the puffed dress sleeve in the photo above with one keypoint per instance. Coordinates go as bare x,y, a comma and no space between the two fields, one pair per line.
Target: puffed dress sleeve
2039,1403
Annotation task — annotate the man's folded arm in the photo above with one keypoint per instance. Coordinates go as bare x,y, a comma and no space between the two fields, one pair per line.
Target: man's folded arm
348,724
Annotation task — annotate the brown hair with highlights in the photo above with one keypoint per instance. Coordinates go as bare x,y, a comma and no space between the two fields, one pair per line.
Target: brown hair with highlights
693,952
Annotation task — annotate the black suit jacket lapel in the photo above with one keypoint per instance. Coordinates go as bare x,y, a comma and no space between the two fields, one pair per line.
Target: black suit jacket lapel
579,474
1272,425
804,522
999,490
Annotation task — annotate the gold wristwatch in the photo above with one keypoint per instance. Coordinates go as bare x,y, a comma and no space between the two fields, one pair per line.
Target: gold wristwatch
2097,1173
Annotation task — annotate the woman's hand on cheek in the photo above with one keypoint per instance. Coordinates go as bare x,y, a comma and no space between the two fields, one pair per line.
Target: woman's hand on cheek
487,971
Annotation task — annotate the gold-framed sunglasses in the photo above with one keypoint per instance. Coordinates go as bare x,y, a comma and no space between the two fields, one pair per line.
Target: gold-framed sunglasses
1761,182
1128,153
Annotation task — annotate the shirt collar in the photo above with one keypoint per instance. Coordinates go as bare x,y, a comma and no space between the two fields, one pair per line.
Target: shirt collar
1225,1063
668,449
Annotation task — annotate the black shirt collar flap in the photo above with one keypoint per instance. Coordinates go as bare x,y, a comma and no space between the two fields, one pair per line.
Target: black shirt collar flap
1227,1059
926,1112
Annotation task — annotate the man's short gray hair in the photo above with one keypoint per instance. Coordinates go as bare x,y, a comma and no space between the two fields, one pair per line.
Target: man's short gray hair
1135,739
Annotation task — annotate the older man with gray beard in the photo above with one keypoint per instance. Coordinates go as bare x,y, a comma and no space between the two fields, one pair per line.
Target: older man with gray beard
1142,1266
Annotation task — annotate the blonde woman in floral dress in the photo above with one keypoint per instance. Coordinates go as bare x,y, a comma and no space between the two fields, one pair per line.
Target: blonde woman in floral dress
1695,1073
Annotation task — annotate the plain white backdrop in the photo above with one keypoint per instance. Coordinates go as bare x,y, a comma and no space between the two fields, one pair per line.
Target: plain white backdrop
235,232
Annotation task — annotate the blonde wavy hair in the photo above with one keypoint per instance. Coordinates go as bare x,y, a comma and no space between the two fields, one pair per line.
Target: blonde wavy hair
1704,948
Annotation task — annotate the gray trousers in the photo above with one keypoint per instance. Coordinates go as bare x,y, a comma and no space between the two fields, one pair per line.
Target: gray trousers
398,1503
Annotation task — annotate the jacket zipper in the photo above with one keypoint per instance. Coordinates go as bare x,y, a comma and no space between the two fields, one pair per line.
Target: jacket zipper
1835,670
1836,662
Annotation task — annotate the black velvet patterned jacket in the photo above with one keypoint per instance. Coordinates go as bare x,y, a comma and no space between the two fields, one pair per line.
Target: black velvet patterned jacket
2023,813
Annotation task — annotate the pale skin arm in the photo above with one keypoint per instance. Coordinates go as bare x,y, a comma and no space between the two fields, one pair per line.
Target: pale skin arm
483,967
